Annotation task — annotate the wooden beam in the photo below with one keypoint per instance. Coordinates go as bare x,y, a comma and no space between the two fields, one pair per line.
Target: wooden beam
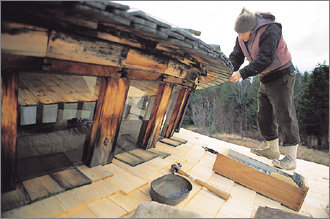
29,64
178,106
9,86
100,146
150,134
22,39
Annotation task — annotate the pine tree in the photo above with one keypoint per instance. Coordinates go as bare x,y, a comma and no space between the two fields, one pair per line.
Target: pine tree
313,107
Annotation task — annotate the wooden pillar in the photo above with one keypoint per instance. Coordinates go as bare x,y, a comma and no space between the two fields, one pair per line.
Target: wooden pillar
182,111
100,145
149,135
9,91
178,105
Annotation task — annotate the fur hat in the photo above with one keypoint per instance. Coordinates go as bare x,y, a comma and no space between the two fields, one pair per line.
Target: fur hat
245,22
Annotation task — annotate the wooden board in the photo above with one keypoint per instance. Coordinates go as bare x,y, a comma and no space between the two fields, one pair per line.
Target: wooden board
41,187
70,178
29,168
14,199
144,154
106,208
55,162
8,129
131,201
129,158
126,181
81,49
95,173
170,142
24,39
279,190
183,141
161,153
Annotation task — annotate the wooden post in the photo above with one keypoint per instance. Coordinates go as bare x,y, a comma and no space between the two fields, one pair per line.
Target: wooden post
151,132
9,88
100,145
179,103
182,111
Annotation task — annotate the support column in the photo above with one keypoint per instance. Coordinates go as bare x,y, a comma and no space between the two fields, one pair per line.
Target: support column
149,135
9,91
182,111
100,145
178,105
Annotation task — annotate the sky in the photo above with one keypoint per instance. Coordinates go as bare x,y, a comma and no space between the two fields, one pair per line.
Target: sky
305,23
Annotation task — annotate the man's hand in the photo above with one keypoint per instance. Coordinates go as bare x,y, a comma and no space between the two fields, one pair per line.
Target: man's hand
235,76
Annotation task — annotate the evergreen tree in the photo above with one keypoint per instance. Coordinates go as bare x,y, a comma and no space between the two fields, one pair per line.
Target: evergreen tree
313,107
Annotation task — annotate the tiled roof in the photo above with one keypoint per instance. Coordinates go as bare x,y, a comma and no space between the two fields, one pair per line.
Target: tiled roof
160,37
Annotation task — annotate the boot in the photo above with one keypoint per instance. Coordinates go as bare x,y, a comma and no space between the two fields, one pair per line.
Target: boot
289,160
272,151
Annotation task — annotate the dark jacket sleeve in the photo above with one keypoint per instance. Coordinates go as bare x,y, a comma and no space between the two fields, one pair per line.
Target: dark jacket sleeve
267,47
237,56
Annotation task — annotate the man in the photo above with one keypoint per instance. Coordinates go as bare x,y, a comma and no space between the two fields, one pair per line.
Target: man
260,40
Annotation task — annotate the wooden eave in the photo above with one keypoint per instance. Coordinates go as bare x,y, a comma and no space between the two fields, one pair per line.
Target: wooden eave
94,35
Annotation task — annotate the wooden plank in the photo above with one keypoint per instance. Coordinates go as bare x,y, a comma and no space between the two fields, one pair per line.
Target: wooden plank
240,204
157,115
206,201
28,168
95,173
161,153
80,68
55,162
129,159
107,208
8,129
41,187
131,201
261,182
77,198
183,141
104,188
170,142
136,58
46,208
81,49
83,212
144,154
107,120
126,181
22,39
14,199
70,178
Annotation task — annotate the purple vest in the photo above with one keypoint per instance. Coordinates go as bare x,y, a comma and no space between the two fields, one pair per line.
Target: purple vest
282,56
